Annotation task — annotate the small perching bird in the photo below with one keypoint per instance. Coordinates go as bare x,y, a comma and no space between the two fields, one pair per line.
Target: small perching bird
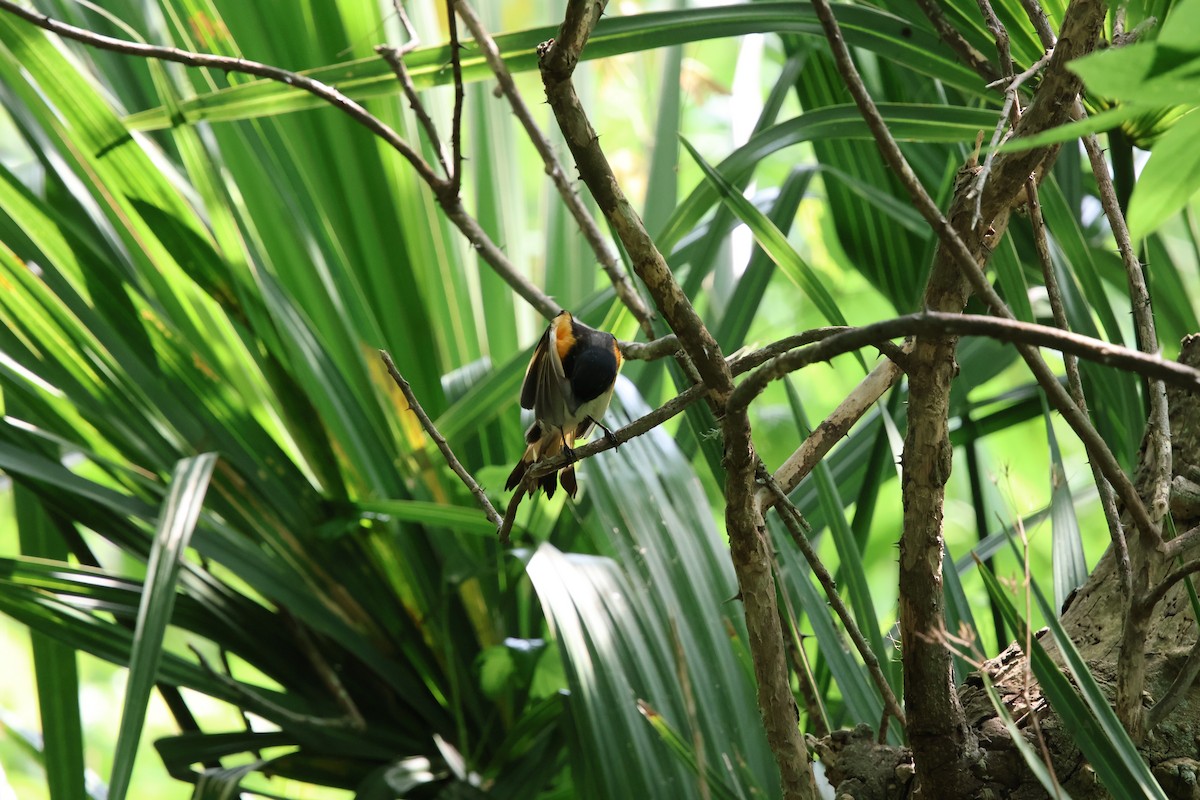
568,385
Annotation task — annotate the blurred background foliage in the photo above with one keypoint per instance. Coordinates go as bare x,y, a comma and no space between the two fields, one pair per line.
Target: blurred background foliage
191,266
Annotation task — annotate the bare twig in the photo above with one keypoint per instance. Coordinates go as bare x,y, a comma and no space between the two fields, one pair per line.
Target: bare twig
394,56
1058,82
1120,39
999,34
929,323
1150,599
795,525
1010,114
821,344
448,200
228,64
649,351
748,551
949,34
1159,433
944,747
328,675
431,429
591,231
1131,662
1075,383
1182,543
504,530
825,435
456,154
557,60
638,427
1041,23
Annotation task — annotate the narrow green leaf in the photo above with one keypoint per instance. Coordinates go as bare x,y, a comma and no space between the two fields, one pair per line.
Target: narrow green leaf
747,295
1012,282
663,181
1070,568
686,753
1169,180
775,244
908,122
365,78
54,666
850,560
180,511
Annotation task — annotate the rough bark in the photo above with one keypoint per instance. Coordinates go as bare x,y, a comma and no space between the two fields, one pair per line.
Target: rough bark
937,729
867,771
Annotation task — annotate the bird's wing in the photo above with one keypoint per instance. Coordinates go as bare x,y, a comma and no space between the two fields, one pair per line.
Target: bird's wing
533,371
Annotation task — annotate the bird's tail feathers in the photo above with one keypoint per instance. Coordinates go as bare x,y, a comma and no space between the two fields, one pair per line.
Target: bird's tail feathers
544,444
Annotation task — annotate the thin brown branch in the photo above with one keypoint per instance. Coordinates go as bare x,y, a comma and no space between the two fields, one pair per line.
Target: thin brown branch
999,34
839,422
1108,500
944,747
415,406
748,550
1010,115
504,530
448,200
661,347
821,344
934,323
637,427
557,59
496,259
949,34
1182,543
329,676
456,153
1154,596
229,64
1046,111
1041,23
1131,662
795,525
591,231
394,56
1159,432
810,695
246,697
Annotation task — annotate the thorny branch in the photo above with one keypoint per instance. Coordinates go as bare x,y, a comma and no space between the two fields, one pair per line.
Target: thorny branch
966,261
750,556
591,231
792,520
415,406
943,745
1131,663
456,118
1075,382
558,61
443,188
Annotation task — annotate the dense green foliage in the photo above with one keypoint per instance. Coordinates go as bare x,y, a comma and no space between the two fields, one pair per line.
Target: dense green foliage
196,262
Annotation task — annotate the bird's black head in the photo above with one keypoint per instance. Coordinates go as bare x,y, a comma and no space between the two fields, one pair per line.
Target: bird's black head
591,370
